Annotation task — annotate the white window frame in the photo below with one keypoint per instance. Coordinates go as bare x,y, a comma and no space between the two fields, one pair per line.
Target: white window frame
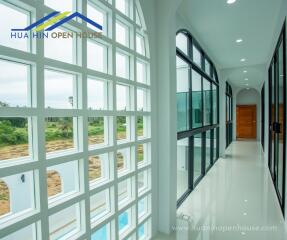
37,114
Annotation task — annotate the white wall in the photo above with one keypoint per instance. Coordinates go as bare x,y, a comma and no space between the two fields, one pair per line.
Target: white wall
162,24
250,97
20,185
160,20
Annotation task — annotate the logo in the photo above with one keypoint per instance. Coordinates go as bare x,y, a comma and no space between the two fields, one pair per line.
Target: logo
44,26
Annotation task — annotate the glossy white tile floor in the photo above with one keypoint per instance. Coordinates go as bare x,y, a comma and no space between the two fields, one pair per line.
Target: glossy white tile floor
236,195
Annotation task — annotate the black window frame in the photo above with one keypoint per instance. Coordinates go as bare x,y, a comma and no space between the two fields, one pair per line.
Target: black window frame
212,78
273,73
229,114
263,117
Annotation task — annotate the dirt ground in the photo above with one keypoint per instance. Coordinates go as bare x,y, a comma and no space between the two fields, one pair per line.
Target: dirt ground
4,201
53,180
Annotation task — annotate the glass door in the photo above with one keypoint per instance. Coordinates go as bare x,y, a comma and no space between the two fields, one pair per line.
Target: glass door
277,119
271,118
280,133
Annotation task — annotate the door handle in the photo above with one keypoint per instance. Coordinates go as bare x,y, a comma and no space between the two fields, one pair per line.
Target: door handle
277,127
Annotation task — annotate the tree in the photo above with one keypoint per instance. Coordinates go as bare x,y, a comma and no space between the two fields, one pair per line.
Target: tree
65,126
3,104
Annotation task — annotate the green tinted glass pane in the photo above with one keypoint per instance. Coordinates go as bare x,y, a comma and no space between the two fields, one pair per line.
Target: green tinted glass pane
196,100
182,111
207,101
182,95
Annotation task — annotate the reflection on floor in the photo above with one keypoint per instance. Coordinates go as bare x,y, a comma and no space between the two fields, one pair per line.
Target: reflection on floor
236,200
182,182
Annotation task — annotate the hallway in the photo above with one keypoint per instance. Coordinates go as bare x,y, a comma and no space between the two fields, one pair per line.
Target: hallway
236,194
143,119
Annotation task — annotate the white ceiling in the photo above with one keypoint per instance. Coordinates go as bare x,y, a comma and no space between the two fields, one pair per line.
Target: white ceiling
218,25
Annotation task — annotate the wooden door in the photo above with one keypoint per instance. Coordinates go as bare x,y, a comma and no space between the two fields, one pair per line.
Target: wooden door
246,121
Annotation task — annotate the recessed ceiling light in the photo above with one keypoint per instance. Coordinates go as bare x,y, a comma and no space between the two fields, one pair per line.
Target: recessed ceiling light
246,84
242,59
243,233
245,200
244,71
246,79
231,1
239,40
247,88
245,214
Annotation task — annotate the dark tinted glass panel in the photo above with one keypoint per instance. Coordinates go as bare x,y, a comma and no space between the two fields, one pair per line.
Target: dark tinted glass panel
272,118
281,119
214,102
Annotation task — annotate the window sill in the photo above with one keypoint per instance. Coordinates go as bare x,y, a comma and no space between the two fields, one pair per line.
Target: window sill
61,153
15,161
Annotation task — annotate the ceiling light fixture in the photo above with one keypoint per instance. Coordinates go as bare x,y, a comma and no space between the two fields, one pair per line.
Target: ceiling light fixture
246,79
247,88
239,40
244,71
231,1
242,59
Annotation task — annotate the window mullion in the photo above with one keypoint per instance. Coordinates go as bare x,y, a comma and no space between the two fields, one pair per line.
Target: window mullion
58,111
39,133
116,182
83,127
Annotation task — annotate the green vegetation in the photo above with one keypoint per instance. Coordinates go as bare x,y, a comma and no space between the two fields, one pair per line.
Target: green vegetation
59,129
96,126
121,124
140,153
140,126
13,131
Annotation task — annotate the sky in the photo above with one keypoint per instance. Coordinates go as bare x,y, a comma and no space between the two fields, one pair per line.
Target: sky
13,83
59,87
